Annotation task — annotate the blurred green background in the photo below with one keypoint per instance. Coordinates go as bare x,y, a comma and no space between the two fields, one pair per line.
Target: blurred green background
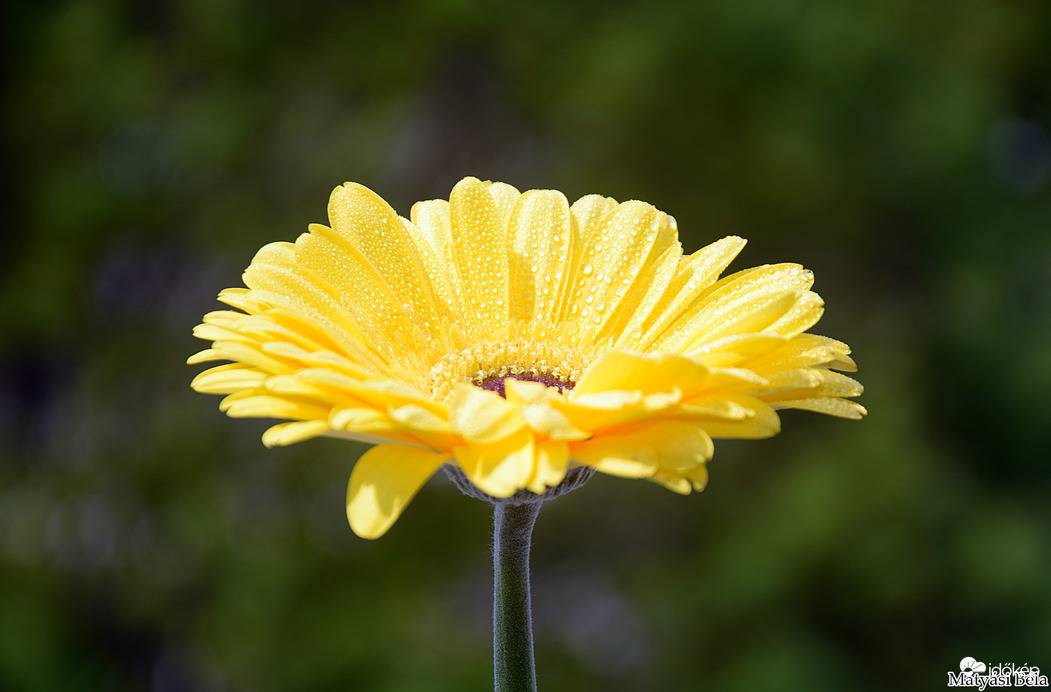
899,149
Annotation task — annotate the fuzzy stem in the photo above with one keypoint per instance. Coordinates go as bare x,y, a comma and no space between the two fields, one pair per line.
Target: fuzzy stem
513,666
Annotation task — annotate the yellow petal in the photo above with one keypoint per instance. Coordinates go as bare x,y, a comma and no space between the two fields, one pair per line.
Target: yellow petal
266,406
370,226
240,352
227,379
642,449
752,315
803,315
378,394
274,273
647,292
541,249
696,273
424,425
614,254
792,379
725,300
596,411
296,431
482,416
500,468
551,423
432,224
831,406
639,372
383,482
362,419
587,213
526,392
738,350
480,251
376,310
664,372
551,463
761,422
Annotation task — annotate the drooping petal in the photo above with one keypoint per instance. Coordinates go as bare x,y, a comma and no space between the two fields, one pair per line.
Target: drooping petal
383,482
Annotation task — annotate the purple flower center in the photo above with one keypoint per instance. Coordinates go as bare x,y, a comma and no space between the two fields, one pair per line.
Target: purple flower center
495,383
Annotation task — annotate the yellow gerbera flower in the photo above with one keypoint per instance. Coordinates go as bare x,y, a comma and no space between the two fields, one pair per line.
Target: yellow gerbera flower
516,336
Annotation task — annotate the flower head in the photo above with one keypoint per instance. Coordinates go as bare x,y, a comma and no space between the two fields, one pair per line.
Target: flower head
516,336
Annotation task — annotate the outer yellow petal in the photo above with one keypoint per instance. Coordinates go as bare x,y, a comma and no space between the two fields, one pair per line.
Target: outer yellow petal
639,372
551,463
249,404
535,406
587,213
738,350
434,430
803,315
296,431
666,372
369,425
831,406
643,450
599,410
761,421
482,416
274,273
227,379
383,482
753,315
499,468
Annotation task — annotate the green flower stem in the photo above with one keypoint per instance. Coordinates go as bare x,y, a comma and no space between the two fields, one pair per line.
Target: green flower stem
513,665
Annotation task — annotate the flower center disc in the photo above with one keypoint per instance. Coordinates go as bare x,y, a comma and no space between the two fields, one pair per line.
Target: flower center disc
495,383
